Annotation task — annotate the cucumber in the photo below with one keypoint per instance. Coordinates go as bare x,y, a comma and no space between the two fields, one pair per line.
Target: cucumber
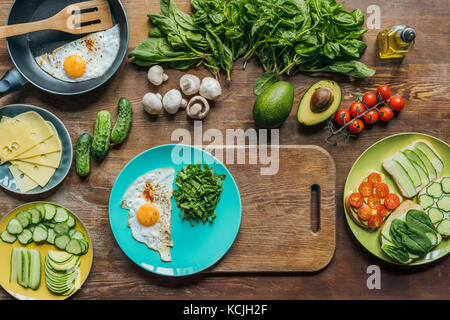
443,203
445,182
123,123
425,201
74,247
51,234
14,226
77,235
444,227
435,190
40,208
24,276
432,174
61,241
36,215
25,237
413,157
15,264
61,215
409,168
24,221
435,215
432,155
39,234
61,228
71,222
422,173
50,211
35,269
102,135
8,237
83,154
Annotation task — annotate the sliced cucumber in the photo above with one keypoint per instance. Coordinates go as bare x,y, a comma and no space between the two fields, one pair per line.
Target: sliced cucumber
36,216
61,215
435,190
444,227
422,173
50,211
14,226
61,241
444,203
51,234
35,269
432,174
61,228
74,247
435,215
409,168
24,221
39,233
41,209
401,178
413,157
432,155
8,237
24,277
425,201
71,222
25,237
77,235
445,182
15,265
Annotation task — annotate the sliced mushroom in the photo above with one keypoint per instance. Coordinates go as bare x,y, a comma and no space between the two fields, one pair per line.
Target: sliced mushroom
210,88
189,84
197,108
173,101
156,75
152,103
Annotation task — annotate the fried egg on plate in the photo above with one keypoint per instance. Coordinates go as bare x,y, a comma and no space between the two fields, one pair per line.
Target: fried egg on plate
83,59
150,210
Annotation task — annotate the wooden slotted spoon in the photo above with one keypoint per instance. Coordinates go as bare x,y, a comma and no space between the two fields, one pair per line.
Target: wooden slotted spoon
77,18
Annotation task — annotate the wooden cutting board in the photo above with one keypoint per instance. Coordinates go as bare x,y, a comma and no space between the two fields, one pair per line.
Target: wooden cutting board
284,227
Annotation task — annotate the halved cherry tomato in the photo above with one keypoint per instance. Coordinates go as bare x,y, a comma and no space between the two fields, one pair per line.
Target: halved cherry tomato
386,114
356,126
391,201
374,178
397,103
365,189
369,99
365,212
384,91
382,210
356,200
371,117
341,117
381,190
356,108
375,221
373,201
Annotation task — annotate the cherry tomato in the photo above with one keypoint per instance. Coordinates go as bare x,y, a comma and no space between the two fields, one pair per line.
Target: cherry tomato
382,210
369,99
356,126
375,221
371,117
397,103
386,114
356,108
381,190
373,201
365,189
356,200
341,117
384,91
374,178
391,201
364,212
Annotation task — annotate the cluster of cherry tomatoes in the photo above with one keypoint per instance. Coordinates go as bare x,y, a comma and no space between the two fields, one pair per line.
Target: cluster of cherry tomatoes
372,107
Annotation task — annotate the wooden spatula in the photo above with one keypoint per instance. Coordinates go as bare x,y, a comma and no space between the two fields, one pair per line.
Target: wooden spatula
77,18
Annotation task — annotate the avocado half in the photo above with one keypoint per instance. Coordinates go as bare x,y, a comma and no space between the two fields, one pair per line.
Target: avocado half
319,102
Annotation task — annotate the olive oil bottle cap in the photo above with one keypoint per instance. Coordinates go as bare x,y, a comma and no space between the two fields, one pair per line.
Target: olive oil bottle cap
408,34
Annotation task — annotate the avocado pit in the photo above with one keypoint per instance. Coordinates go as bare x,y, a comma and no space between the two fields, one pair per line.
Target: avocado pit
321,100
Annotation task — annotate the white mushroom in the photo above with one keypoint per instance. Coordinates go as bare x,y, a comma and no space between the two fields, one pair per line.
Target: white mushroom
156,75
189,84
172,101
152,103
210,88
197,108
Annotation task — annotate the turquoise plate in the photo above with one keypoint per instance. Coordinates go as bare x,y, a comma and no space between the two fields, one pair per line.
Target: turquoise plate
7,180
195,248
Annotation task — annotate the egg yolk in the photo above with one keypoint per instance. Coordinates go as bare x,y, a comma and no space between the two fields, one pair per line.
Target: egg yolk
74,66
147,215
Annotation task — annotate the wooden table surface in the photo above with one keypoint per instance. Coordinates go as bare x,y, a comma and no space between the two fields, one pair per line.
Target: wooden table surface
421,78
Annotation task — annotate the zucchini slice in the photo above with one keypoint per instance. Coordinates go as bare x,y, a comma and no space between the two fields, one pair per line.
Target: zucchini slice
435,190
444,203
445,182
444,227
425,201
435,215
8,237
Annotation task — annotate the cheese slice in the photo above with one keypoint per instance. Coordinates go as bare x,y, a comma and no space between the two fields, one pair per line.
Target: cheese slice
39,174
51,160
21,133
53,144
24,182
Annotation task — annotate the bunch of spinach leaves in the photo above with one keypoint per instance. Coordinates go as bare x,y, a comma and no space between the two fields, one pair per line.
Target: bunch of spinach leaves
410,236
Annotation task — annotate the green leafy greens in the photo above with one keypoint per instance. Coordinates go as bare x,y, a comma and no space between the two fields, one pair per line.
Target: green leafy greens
198,193
286,36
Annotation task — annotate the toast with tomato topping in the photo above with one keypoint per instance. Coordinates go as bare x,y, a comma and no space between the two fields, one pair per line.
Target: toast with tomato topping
371,201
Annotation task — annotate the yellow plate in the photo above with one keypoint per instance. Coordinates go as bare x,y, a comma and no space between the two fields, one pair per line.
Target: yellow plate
42,293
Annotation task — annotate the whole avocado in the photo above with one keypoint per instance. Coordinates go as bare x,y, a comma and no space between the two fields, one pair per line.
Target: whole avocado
274,105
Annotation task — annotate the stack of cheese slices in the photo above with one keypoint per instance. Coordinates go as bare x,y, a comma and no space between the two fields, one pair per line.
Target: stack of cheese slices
32,147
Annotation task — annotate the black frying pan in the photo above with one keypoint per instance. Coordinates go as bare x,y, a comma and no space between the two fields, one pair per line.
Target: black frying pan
22,49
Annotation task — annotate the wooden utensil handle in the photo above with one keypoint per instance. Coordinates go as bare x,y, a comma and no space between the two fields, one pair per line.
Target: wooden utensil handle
22,28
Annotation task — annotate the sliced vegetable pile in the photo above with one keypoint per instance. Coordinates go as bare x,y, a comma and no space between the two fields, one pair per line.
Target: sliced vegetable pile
62,271
372,202
46,223
198,193
286,35
367,109
26,267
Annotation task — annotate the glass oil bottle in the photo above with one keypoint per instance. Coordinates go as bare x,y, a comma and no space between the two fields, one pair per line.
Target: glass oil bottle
396,41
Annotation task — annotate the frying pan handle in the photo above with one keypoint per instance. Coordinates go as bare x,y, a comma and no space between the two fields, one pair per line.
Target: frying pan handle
11,81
